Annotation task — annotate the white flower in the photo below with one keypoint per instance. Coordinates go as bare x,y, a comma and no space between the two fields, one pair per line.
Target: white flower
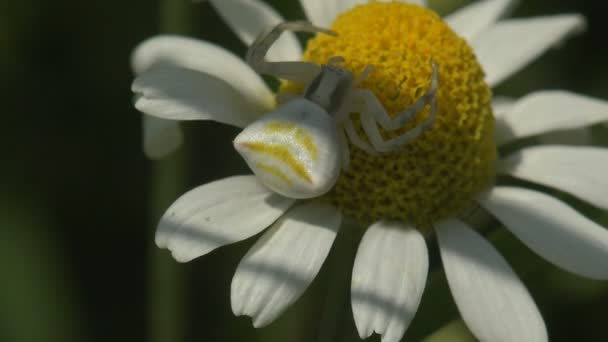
185,79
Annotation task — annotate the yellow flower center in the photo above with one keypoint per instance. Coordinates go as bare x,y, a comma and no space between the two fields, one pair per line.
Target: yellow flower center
439,174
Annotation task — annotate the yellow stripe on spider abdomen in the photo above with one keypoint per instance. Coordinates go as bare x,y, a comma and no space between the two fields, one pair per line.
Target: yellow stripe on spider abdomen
299,133
281,154
275,171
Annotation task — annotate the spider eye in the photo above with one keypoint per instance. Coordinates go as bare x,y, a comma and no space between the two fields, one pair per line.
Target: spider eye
293,150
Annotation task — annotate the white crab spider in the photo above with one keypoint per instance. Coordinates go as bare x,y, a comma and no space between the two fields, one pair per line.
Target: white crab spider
298,149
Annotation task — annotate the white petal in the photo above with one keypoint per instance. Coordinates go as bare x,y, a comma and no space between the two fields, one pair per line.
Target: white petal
161,137
552,229
281,265
217,214
581,171
250,18
388,279
185,94
508,46
422,3
493,302
473,19
323,13
294,150
188,53
501,105
547,111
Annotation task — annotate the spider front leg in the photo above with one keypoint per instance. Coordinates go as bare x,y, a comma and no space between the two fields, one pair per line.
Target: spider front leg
379,144
345,150
367,103
354,137
302,72
372,113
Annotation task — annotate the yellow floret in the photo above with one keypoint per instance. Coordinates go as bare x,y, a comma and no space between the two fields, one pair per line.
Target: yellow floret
440,173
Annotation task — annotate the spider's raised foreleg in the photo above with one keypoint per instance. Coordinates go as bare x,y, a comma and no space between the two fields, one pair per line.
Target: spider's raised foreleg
367,104
354,137
370,127
364,74
344,149
302,72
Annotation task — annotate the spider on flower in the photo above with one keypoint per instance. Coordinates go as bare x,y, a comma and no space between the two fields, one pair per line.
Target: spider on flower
283,147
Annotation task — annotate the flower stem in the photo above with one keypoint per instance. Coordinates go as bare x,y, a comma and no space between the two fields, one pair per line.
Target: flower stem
167,292
176,16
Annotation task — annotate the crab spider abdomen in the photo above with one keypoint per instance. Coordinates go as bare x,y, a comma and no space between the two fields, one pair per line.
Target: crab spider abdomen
294,150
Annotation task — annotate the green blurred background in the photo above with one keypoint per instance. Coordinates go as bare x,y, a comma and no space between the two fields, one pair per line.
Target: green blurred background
79,201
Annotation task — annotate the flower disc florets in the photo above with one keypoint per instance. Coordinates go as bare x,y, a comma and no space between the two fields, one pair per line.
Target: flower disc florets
440,173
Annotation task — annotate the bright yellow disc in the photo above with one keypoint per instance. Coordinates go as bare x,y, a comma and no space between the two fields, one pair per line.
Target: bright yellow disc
439,174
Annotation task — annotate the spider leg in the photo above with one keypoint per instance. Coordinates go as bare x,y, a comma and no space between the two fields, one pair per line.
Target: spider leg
379,144
370,127
344,148
335,60
368,103
355,139
302,72
363,75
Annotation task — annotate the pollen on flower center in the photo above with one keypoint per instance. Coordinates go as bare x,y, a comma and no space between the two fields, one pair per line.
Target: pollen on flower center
439,174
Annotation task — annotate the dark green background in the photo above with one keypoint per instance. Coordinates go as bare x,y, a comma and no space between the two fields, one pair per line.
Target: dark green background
79,201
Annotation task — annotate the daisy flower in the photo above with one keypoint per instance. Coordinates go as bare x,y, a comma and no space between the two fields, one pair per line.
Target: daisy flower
436,75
